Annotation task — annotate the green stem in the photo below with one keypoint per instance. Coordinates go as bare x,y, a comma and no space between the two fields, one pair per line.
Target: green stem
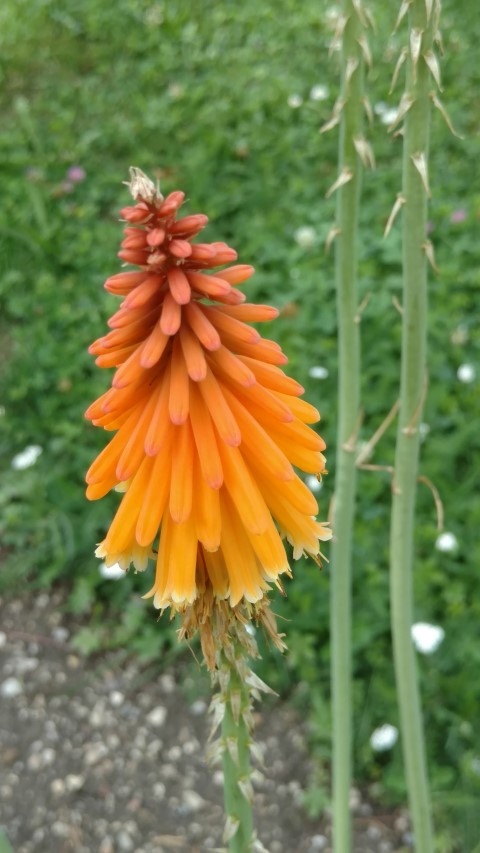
348,414
412,391
236,760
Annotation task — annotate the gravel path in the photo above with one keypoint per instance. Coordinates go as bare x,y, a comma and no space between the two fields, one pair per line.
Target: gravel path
93,759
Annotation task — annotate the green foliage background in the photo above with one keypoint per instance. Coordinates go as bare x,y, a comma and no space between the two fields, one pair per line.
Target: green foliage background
198,94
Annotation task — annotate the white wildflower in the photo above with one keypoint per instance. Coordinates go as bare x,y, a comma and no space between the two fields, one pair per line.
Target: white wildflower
384,737
320,92
27,457
313,484
427,638
466,373
424,429
295,101
446,542
111,573
318,372
305,236
389,116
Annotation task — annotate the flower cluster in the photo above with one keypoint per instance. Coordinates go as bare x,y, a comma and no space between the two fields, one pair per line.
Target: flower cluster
207,425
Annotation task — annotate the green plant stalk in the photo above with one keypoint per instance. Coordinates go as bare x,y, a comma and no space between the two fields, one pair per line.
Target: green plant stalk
348,414
236,766
412,392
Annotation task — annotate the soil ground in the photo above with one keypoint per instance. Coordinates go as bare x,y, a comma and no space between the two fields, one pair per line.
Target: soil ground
96,759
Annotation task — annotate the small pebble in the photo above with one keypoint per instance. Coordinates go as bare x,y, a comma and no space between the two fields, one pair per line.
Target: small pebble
318,842
192,800
60,634
157,717
94,753
74,782
167,683
116,698
124,841
10,688
374,833
198,707
159,790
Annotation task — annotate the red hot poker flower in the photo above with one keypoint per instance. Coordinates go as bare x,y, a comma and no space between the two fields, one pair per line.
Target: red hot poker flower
208,427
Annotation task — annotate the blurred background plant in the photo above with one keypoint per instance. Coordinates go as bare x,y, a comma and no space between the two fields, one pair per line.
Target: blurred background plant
226,101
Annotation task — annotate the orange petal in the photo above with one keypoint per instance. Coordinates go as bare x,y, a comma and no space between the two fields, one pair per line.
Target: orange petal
155,497
243,490
179,286
106,462
178,404
135,331
163,561
130,370
295,492
311,461
226,325
160,427
264,350
257,445
115,357
237,274
270,550
302,435
217,571
99,490
124,282
125,316
181,584
176,564
302,530
250,313
171,315
181,482
205,440
264,405
240,560
121,533
149,287
220,412
207,512
154,347
180,248
189,225
302,410
272,377
231,368
171,204
208,285
134,450
193,354
202,327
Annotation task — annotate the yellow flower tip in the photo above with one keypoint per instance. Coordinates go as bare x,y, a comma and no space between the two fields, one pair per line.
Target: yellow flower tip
207,428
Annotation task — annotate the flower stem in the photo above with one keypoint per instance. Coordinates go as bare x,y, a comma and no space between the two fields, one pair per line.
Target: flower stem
412,391
236,762
348,412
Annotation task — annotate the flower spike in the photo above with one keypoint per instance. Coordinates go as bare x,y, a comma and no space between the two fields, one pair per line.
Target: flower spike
207,425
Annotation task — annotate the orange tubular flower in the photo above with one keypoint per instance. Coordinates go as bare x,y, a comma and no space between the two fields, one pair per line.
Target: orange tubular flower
207,425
